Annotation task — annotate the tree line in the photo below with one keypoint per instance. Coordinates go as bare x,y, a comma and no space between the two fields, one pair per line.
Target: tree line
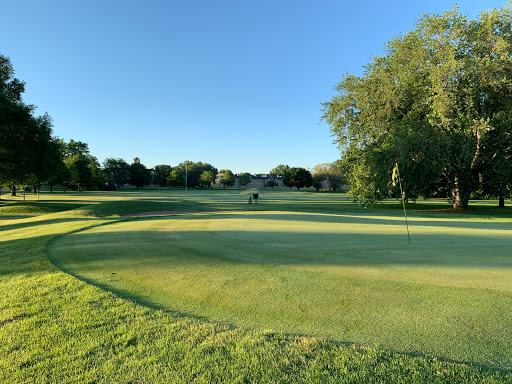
30,155
438,103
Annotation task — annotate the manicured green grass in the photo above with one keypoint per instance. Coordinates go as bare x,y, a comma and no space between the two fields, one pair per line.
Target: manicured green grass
349,278
56,328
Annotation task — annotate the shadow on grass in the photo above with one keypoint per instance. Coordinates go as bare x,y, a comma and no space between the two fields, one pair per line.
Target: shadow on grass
120,208
145,302
37,208
346,218
132,250
299,248
39,223
152,304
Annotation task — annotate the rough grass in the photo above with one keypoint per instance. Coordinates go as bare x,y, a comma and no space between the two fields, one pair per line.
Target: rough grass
56,328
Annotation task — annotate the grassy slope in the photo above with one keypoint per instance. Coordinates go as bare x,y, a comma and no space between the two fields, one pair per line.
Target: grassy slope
55,328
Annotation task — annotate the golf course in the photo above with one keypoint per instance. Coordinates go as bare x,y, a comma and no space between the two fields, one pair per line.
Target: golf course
302,286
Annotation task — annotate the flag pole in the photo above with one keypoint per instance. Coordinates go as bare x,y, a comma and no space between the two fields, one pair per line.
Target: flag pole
403,201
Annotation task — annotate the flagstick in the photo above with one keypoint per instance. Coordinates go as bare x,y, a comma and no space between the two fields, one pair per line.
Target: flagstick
403,202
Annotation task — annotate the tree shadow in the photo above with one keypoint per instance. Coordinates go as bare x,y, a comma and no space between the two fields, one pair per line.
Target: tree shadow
347,218
39,223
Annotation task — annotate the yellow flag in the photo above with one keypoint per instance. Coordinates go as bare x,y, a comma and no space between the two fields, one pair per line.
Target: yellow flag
394,177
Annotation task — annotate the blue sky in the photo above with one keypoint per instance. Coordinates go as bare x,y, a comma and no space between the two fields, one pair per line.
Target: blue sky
237,84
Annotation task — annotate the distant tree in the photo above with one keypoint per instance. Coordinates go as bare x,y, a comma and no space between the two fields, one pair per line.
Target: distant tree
139,175
271,183
332,173
280,170
79,171
206,179
228,179
287,180
335,176
193,171
61,172
300,177
317,181
98,178
176,178
319,173
117,171
160,175
244,179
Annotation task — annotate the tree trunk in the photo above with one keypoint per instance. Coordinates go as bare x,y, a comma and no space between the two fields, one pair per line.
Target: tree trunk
51,187
13,190
460,200
501,203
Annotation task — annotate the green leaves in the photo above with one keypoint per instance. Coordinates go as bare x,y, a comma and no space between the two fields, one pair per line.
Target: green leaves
430,103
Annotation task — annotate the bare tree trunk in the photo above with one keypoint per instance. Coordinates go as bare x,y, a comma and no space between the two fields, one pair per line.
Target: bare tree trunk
501,203
460,201
13,190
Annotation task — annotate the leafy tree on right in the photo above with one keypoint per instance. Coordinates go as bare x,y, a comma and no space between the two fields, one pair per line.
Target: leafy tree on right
438,103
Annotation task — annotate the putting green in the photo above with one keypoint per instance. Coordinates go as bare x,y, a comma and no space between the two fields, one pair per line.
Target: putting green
349,278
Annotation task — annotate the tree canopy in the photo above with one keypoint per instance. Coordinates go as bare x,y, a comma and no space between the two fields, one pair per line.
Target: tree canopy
206,179
80,173
192,171
280,170
28,151
139,175
244,179
228,179
298,177
437,102
117,172
160,175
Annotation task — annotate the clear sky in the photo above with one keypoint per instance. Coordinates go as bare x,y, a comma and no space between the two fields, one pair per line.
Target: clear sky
237,84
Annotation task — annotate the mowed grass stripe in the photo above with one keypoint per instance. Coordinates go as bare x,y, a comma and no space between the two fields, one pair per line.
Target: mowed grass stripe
350,278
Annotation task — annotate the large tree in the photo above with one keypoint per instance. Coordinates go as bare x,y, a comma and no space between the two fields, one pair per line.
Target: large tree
160,175
228,179
28,153
176,179
72,148
335,176
117,171
189,172
432,103
244,179
280,170
299,178
80,173
206,179
139,175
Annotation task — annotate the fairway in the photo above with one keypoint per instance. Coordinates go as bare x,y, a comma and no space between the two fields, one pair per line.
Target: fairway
347,277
